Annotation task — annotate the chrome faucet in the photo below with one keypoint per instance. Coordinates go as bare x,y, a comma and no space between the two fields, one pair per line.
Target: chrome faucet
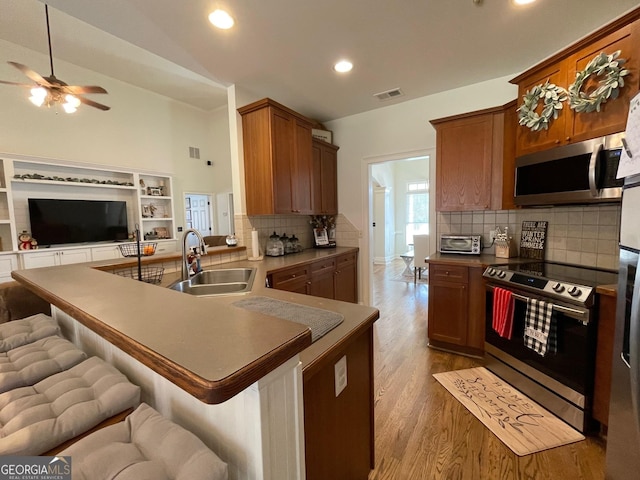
203,250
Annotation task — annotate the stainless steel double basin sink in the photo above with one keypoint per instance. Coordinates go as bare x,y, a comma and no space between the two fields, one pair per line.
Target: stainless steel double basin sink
225,281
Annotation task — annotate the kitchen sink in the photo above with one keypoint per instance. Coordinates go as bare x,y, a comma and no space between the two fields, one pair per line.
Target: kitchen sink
226,281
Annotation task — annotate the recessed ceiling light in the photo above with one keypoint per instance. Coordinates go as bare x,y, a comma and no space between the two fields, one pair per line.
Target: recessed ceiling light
523,2
221,19
343,66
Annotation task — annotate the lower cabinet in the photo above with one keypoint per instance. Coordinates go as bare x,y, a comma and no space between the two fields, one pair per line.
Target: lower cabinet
338,427
51,258
334,277
8,263
456,308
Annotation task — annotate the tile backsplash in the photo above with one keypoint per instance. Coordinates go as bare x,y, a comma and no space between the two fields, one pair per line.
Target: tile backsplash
581,235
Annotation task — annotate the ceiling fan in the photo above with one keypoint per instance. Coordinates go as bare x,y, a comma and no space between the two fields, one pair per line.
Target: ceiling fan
53,91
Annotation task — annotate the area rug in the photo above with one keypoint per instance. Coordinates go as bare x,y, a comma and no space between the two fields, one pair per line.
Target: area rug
521,424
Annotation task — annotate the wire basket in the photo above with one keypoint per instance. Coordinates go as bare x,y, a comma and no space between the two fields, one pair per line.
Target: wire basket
131,249
147,274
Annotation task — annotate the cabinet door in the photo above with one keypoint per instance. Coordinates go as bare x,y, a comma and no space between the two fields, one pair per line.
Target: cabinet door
302,170
325,178
448,309
67,257
528,141
40,259
105,253
612,117
294,279
463,163
282,137
321,285
8,263
346,278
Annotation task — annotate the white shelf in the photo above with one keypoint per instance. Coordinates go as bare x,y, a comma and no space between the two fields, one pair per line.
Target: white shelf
155,197
156,219
18,181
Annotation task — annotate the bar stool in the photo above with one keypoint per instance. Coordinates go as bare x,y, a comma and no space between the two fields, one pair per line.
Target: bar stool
145,445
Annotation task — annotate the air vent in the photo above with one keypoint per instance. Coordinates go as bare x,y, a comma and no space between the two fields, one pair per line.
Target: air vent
394,92
194,152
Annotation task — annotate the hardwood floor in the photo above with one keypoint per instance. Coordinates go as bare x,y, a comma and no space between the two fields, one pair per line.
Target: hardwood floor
422,432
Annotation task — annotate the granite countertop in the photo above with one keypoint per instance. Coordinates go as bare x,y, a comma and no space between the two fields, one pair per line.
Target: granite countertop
206,345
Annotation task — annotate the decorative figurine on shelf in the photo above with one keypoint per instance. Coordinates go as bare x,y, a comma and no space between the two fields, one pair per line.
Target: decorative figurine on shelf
26,241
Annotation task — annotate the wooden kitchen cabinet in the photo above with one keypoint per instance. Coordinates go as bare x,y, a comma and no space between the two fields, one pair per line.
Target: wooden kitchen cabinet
277,159
561,69
346,278
325,178
604,354
456,308
475,154
333,277
339,428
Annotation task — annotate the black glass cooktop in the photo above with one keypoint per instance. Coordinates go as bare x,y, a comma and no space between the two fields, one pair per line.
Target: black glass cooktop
564,273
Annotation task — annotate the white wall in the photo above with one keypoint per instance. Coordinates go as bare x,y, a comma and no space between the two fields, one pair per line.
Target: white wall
397,129
143,130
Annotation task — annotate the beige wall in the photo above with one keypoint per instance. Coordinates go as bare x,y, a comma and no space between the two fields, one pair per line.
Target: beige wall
142,131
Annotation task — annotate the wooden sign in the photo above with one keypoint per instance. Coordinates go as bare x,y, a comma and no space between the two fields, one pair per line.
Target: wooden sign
533,239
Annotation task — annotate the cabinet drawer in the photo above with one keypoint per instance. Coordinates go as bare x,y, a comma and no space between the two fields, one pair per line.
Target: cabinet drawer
346,259
323,265
290,274
448,273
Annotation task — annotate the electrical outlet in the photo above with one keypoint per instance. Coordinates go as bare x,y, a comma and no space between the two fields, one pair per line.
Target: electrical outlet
340,372
492,235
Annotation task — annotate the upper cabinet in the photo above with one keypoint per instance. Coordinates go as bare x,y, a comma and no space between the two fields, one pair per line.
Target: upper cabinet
277,159
325,178
564,68
475,160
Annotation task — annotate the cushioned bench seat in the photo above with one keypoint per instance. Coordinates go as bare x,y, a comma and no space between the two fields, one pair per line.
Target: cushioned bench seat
28,364
35,419
145,446
27,330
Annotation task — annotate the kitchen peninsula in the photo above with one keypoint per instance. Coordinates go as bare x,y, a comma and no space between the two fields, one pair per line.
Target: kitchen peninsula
232,376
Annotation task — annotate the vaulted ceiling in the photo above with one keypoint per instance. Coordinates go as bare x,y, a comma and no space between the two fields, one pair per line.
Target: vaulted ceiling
285,49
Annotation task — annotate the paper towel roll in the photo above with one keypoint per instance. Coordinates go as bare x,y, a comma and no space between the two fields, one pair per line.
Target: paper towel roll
255,246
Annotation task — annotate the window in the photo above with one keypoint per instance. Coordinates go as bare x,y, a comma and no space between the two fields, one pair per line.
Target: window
417,210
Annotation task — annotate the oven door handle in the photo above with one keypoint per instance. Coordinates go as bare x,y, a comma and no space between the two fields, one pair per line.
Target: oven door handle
572,312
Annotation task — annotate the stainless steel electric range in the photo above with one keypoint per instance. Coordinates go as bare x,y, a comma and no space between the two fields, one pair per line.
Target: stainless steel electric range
561,381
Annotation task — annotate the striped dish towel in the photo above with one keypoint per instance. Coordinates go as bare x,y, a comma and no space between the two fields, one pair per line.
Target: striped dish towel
503,305
540,330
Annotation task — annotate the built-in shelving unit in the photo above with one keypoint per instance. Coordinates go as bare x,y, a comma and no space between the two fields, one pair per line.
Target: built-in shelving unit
149,199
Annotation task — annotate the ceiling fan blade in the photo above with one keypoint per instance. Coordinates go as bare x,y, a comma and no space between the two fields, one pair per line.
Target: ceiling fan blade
16,84
91,103
36,77
81,90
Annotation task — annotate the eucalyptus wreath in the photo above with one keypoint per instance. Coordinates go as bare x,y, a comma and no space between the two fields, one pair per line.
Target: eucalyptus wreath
551,96
608,66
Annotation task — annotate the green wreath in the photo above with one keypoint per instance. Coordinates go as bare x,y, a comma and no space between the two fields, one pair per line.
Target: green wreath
552,97
609,66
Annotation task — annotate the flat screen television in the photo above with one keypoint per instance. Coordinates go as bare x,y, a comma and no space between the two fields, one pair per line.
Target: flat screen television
57,221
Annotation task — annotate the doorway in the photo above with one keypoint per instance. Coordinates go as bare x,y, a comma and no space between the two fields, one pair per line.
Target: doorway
401,229
198,213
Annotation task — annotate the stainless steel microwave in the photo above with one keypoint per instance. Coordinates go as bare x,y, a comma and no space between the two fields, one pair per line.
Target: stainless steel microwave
463,244
583,172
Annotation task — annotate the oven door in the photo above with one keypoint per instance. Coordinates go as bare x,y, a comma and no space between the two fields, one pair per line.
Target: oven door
571,366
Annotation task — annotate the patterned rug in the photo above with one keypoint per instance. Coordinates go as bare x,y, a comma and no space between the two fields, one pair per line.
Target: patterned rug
521,424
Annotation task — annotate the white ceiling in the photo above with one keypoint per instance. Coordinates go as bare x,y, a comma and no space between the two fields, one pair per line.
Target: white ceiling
285,49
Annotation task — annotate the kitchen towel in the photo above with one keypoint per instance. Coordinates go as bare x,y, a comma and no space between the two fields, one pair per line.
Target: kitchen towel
503,305
540,331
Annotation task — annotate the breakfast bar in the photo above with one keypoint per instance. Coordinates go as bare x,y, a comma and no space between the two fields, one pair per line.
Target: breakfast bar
232,376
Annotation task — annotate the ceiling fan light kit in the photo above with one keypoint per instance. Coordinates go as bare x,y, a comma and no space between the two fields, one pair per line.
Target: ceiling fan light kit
49,91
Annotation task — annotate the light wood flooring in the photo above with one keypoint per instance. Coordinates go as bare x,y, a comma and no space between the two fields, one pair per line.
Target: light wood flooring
422,432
